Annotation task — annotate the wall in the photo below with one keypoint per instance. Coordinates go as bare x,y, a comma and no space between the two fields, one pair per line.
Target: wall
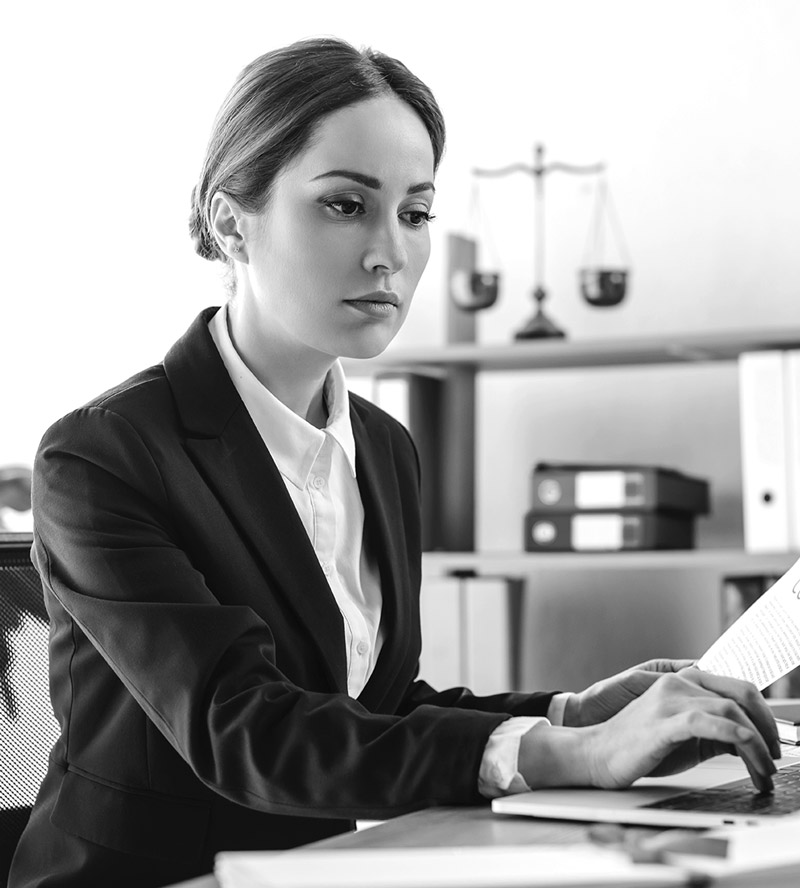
690,103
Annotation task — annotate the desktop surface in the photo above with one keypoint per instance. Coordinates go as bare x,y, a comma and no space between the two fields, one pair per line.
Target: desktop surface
476,827
454,827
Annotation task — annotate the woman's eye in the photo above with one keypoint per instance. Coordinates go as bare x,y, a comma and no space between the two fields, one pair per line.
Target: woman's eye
418,218
347,207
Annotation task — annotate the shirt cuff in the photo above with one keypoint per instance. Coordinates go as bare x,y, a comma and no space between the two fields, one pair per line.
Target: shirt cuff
555,711
499,772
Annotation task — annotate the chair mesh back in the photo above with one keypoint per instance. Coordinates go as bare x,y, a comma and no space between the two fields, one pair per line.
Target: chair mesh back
27,725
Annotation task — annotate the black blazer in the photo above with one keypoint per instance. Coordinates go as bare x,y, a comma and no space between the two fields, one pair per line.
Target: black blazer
197,653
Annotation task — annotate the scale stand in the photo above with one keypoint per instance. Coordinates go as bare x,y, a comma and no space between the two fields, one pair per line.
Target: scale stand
540,326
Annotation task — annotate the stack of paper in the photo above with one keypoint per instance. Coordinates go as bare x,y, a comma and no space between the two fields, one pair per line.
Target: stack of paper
762,854
581,866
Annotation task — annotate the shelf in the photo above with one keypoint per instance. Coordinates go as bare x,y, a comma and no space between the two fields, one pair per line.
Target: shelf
13,538
560,354
728,561
441,399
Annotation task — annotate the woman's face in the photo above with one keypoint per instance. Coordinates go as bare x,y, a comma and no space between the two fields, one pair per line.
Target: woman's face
334,258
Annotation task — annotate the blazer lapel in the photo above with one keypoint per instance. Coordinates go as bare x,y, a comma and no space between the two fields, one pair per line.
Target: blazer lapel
231,455
384,533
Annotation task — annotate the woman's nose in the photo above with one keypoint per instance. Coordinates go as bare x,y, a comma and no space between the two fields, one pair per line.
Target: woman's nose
386,250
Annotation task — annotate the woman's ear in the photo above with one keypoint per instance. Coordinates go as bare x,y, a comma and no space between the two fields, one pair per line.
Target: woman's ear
226,220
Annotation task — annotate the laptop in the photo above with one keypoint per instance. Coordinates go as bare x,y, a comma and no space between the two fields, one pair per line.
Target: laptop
717,793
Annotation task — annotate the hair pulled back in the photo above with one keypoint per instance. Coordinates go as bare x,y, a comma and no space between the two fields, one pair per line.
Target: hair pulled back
270,114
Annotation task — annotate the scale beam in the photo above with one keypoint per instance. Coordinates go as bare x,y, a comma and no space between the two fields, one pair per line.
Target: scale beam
540,326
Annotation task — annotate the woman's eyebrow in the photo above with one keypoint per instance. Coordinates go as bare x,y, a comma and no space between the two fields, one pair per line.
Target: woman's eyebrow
370,181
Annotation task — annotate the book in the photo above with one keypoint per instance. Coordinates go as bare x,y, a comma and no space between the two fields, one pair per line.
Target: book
787,718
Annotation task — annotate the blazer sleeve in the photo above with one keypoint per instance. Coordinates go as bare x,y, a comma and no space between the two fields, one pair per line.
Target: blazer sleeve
420,693
204,672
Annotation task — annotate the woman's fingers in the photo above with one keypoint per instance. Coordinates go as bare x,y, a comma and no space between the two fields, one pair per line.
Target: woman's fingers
677,718
721,721
672,720
728,711
747,697
662,665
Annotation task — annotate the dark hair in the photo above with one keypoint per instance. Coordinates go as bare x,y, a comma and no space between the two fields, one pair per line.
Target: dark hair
270,114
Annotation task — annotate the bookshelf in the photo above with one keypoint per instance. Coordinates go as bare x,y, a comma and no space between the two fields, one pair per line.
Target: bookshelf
563,354
441,387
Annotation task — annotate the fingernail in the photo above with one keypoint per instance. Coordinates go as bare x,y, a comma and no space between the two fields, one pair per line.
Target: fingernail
744,733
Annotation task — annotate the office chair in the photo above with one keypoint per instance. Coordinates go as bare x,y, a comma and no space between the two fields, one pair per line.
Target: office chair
28,728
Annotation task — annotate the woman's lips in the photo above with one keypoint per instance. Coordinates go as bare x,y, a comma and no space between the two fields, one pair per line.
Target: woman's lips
380,304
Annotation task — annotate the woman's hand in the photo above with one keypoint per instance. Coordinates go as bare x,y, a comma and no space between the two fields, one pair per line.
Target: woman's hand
606,698
681,719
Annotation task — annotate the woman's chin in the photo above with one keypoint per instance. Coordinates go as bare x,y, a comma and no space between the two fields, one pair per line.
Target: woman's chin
367,347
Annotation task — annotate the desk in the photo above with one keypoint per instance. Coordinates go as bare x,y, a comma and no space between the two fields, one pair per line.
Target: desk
471,827
446,826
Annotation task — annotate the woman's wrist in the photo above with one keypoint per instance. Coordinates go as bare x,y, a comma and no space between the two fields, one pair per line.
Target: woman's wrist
551,755
571,717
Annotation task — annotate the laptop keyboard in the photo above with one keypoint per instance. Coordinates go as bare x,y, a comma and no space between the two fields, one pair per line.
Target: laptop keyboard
739,797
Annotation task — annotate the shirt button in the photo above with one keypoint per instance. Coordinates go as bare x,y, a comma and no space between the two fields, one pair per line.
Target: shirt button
362,647
318,482
326,568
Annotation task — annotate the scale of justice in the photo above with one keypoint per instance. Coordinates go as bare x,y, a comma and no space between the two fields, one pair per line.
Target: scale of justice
600,285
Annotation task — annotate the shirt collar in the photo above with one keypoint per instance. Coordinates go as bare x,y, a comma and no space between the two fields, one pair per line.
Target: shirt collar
292,441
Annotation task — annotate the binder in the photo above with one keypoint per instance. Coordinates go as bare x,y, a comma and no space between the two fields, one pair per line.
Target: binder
442,661
764,438
607,531
487,640
415,401
792,414
468,633
566,488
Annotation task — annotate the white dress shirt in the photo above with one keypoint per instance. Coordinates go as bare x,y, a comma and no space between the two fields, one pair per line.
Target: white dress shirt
318,467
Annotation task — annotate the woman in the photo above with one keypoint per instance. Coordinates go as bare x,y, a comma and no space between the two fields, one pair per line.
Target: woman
230,544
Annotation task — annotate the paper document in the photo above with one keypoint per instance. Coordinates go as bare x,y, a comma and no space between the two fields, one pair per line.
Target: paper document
764,643
579,866
766,851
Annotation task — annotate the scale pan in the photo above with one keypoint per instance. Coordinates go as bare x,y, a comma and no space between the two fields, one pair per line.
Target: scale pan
474,291
604,286
485,288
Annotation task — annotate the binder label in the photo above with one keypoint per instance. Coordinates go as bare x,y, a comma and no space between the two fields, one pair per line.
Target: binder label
599,490
597,532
